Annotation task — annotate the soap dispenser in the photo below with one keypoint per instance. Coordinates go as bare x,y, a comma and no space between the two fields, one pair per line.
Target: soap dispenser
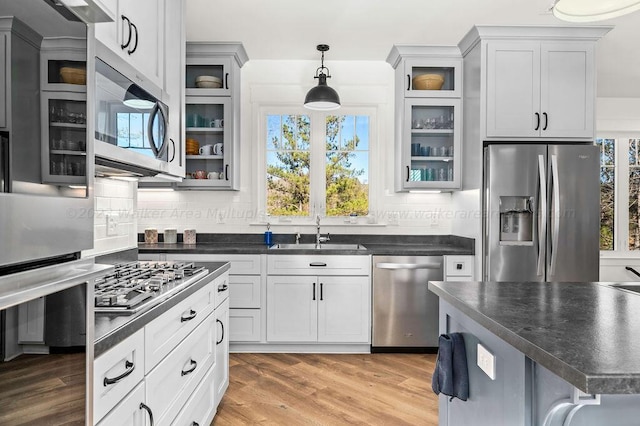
268,236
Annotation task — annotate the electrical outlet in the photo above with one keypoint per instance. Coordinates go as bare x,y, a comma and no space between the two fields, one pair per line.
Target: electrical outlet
112,224
487,362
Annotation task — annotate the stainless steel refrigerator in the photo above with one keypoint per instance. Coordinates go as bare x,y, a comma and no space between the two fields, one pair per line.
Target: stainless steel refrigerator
541,212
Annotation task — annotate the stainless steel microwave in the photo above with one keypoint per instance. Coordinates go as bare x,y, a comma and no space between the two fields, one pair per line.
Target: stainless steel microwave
130,121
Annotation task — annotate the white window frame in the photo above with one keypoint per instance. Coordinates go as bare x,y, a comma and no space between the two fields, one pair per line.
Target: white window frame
621,194
317,193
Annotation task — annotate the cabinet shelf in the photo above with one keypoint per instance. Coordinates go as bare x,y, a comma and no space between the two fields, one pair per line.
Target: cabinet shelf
204,157
432,131
67,152
425,158
68,125
205,129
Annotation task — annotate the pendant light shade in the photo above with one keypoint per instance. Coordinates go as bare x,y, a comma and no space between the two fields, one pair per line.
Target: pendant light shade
322,97
593,10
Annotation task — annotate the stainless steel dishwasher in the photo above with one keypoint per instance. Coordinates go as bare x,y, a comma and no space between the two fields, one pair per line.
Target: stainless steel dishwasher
405,312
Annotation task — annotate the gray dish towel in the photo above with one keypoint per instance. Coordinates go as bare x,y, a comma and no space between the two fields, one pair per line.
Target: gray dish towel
451,376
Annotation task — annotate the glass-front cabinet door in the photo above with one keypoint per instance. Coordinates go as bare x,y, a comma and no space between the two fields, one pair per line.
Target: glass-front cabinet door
431,145
64,138
212,78
208,142
439,78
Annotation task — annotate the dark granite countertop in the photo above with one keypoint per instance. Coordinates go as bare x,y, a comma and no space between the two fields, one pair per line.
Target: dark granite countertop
418,245
586,333
111,329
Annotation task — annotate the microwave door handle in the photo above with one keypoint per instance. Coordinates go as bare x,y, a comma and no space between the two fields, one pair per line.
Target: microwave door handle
156,112
542,214
556,215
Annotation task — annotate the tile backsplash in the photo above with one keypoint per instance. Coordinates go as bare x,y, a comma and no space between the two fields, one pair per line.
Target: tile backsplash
114,218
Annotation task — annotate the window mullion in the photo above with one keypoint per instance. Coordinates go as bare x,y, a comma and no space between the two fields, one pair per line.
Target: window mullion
318,130
621,202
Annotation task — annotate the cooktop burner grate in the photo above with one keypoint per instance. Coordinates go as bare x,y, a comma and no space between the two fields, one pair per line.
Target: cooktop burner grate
136,285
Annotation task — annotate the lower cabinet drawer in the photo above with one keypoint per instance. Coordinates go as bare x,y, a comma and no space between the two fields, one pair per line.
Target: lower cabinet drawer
200,408
318,265
129,412
165,333
172,382
245,291
244,325
116,372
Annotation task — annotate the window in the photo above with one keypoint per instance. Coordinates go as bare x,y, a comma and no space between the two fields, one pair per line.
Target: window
317,164
619,194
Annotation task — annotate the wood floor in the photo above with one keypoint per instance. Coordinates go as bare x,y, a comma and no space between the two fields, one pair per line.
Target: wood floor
311,389
43,390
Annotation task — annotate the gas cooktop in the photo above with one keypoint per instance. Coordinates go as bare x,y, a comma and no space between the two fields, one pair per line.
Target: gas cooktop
137,286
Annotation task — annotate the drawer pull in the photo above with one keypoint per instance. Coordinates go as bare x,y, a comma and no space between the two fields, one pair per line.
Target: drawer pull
221,338
222,288
321,298
317,264
192,315
191,370
195,424
129,369
146,407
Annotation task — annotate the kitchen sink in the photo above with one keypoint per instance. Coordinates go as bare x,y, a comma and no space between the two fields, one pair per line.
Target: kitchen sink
634,287
311,246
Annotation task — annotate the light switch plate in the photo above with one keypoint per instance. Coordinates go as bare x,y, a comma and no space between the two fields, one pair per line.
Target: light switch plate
487,362
112,224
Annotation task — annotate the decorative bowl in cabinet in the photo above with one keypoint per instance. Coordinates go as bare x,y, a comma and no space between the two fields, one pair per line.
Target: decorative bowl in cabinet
71,75
428,82
208,82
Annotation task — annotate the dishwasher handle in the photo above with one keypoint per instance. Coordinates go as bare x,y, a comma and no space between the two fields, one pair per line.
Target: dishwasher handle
388,265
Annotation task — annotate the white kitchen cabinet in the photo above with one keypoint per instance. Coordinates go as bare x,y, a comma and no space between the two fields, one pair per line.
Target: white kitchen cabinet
116,372
165,333
200,112
458,268
221,369
131,411
199,410
64,137
432,143
247,278
292,308
4,64
203,105
171,383
137,35
343,309
183,364
31,321
323,299
540,89
428,123
174,75
245,325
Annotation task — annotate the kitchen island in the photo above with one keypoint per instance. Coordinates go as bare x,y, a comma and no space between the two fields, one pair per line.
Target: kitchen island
556,353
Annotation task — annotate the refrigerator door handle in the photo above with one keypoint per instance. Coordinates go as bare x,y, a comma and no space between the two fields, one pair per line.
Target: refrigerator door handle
542,226
556,215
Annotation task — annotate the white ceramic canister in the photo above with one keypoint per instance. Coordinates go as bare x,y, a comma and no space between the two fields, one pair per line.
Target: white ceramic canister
170,236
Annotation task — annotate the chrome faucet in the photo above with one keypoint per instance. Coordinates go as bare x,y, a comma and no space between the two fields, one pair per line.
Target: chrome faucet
297,238
320,239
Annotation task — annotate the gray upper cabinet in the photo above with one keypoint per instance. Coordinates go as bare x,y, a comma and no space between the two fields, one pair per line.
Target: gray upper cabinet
212,115
175,47
540,89
428,117
136,35
535,83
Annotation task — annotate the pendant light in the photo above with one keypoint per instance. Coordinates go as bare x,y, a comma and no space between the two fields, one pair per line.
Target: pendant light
593,10
322,97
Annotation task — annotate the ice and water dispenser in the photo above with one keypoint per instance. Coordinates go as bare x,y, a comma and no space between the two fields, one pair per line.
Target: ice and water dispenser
516,220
